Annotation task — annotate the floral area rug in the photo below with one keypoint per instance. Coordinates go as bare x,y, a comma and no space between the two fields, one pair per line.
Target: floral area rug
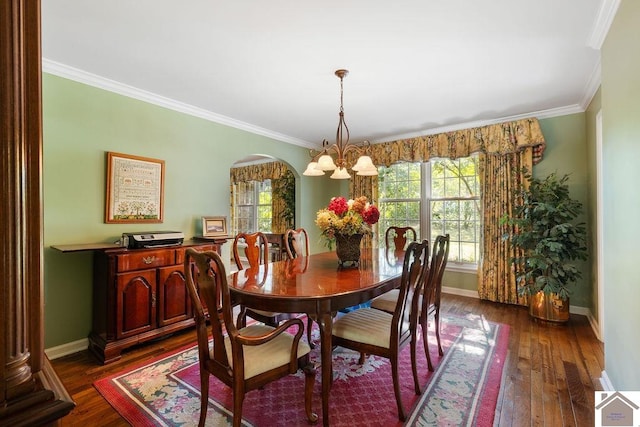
463,389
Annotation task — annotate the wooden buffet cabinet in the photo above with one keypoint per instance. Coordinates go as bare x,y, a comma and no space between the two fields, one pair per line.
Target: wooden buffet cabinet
139,295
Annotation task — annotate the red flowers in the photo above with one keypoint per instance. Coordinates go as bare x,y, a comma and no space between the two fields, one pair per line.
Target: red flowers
338,205
371,215
346,217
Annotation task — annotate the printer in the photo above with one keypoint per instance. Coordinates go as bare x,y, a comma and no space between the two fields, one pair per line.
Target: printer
152,239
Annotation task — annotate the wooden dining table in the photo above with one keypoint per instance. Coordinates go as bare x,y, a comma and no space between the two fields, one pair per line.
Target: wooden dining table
317,286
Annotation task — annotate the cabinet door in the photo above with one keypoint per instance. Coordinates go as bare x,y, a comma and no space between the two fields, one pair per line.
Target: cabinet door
174,304
135,303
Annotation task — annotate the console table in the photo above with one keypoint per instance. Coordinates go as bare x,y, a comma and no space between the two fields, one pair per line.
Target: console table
138,294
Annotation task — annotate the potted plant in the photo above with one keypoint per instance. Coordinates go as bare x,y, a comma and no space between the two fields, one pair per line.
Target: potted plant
544,231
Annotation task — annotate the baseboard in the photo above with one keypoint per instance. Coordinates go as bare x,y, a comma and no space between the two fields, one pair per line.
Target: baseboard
605,382
66,349
584,311
460,292
573,309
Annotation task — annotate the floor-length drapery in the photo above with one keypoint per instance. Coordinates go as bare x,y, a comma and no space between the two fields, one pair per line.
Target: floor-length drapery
500,175
365,185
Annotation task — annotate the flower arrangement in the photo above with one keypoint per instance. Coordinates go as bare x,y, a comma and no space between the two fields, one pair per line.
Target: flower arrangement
355,216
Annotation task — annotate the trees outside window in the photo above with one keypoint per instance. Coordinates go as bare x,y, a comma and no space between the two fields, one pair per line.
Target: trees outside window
253,206
436,197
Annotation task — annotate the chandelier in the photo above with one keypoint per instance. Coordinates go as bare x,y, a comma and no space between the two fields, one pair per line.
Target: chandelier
323,161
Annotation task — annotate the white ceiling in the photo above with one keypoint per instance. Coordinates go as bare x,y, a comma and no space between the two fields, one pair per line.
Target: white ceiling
416,66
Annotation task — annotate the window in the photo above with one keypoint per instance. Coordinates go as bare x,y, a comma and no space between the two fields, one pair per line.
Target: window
252,206
399,189
438,197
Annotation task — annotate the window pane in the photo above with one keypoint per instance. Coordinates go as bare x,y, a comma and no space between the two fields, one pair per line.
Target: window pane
453,196
399,197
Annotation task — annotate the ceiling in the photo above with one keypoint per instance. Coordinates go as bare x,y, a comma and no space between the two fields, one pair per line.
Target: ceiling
416,66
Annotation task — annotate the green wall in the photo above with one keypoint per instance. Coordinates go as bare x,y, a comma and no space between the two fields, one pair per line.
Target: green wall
592,185
565,153
621,151
82,123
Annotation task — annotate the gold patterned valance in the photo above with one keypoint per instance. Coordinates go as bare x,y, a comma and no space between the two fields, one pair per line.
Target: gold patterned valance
501,138
259,172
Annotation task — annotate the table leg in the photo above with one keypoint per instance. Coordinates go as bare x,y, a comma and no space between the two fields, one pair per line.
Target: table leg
325,322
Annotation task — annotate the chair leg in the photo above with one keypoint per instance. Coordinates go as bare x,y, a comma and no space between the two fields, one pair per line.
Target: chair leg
425,338
396,388
204,396
437,322
362,359
309,381
238,398
414,364
309,326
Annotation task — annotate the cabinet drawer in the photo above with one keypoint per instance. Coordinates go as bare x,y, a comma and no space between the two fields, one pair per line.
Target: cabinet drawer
147,259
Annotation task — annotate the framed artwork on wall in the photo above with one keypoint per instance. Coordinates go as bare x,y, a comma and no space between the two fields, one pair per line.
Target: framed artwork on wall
135,189
213,226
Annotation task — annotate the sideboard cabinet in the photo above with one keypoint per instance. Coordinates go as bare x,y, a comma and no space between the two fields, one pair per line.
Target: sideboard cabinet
139,295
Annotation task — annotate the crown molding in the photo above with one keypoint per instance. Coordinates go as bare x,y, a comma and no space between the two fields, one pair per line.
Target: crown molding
607,12
75,74
94,80
541,114
592,85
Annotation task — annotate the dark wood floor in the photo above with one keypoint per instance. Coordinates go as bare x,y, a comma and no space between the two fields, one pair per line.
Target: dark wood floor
549,379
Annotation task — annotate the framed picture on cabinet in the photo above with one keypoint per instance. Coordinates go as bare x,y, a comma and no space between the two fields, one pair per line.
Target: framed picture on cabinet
213,226
135,189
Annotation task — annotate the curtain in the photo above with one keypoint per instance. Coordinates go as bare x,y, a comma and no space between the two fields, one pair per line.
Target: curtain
504,149
283,202
365,186
259,172
500,175
278,173
502,138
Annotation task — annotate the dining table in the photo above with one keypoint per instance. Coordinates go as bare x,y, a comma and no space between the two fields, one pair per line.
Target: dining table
317,286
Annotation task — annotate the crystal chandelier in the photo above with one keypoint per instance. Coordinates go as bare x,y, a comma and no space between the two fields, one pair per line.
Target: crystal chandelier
323,161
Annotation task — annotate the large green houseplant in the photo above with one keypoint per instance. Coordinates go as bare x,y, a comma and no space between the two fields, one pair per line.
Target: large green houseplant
544,230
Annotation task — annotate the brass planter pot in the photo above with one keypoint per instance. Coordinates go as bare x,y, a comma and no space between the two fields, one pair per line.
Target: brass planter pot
550,308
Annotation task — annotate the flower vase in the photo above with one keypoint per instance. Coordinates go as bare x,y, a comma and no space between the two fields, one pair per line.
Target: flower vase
348,249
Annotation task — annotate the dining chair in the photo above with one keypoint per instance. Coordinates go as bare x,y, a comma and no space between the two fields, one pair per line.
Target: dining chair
297,245
256,254
396,240
296,242
244,359
429,299
399,237
371,331
431,291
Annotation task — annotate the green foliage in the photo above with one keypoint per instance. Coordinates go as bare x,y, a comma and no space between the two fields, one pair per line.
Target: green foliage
543,227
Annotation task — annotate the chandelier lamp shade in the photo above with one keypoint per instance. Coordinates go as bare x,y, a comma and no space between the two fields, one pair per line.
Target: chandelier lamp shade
324,161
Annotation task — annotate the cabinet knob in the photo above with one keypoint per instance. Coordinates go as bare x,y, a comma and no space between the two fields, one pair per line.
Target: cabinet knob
149,259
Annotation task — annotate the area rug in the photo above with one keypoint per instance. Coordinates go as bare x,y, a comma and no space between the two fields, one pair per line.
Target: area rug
463,389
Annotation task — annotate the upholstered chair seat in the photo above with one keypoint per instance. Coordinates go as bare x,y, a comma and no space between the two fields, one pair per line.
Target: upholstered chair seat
265,357
366,325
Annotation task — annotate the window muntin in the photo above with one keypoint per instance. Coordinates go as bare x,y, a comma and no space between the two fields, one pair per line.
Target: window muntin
253,206
441,196
454,200
399,197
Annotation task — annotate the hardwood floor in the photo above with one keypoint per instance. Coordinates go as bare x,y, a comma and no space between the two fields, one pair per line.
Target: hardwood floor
550,375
